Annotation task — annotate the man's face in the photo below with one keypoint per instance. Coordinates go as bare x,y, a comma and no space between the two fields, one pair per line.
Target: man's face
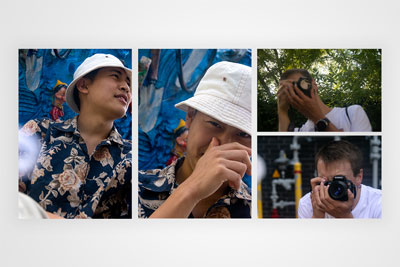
110,92
341,167
202,128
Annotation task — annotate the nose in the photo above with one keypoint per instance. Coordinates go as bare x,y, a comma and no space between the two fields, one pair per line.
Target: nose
225,138
124,86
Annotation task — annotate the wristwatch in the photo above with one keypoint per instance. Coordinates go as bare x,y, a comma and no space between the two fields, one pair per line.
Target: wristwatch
322,124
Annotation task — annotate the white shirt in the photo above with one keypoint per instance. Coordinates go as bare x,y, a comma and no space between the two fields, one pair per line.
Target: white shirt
368,206
358,122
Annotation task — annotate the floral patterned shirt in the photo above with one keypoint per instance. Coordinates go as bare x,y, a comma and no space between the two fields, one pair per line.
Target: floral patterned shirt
65,180
155,186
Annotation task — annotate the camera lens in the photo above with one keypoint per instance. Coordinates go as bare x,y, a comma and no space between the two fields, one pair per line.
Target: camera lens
337,191
304,85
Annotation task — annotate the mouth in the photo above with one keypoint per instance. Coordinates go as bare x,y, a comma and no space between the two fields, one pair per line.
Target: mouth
122,98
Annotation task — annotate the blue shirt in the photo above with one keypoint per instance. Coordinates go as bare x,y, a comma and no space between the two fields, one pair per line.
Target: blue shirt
67,181
156,185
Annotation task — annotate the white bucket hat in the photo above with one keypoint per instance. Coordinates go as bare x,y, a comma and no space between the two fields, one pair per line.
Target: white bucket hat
224,93
90,64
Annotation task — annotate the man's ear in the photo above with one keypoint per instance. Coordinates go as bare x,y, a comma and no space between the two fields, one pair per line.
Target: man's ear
189,117
82,85
359,177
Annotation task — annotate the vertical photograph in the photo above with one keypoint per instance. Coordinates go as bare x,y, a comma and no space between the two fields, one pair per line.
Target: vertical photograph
320,177
75,133
194,133
319,90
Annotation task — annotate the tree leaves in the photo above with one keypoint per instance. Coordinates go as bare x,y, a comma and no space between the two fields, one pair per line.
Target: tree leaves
344,76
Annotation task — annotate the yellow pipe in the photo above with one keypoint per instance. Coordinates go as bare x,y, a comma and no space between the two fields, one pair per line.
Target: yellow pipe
297,191
259,201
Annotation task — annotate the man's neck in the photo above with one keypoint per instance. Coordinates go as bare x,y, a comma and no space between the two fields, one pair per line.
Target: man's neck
93,129
183,172
358,190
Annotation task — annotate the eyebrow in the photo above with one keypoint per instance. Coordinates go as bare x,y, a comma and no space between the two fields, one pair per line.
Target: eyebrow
120,73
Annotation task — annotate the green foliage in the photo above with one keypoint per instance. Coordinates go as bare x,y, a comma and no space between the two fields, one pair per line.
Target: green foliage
344,76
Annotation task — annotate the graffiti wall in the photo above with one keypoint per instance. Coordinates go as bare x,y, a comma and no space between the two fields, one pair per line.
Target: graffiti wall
166,77
41,70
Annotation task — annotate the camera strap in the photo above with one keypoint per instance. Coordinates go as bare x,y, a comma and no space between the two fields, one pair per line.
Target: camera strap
347,114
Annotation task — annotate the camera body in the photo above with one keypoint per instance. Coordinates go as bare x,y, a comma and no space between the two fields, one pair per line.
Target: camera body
304,85
338,188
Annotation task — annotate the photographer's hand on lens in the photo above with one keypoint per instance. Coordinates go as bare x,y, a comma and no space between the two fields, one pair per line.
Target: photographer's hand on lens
308,106
321,201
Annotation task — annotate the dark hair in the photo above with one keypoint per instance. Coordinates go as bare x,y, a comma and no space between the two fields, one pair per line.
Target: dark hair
91,76
341,150
290,72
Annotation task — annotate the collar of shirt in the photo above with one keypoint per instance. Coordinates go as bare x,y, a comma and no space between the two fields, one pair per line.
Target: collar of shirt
71,126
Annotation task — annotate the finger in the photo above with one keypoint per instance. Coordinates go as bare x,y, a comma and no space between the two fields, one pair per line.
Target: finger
322,188
282,92
236,166
318,201
314,86
312,93
292,95
234,146
315,181
328,201
233,179
350,195
213,143
281,88
240,156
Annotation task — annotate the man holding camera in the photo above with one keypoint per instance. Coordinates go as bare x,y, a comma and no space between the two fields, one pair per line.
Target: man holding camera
337,192
298,89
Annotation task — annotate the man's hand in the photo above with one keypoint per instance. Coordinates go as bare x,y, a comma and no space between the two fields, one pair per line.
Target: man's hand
219,164
318,208
282,95
283,106
308,106
321,201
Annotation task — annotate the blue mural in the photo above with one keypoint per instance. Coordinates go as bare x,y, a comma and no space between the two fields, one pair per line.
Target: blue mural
167,77
39,71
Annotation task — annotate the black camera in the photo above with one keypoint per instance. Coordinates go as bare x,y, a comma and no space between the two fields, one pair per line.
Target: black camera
304,85
338,188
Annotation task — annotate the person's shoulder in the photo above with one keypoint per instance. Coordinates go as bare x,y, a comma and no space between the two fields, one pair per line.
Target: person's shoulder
355,108
373,191
305,198
35,126
305,207
159,180
359,119
373,201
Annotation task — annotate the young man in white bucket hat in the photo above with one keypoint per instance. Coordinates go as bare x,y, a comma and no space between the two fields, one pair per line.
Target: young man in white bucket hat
207,182
83,169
